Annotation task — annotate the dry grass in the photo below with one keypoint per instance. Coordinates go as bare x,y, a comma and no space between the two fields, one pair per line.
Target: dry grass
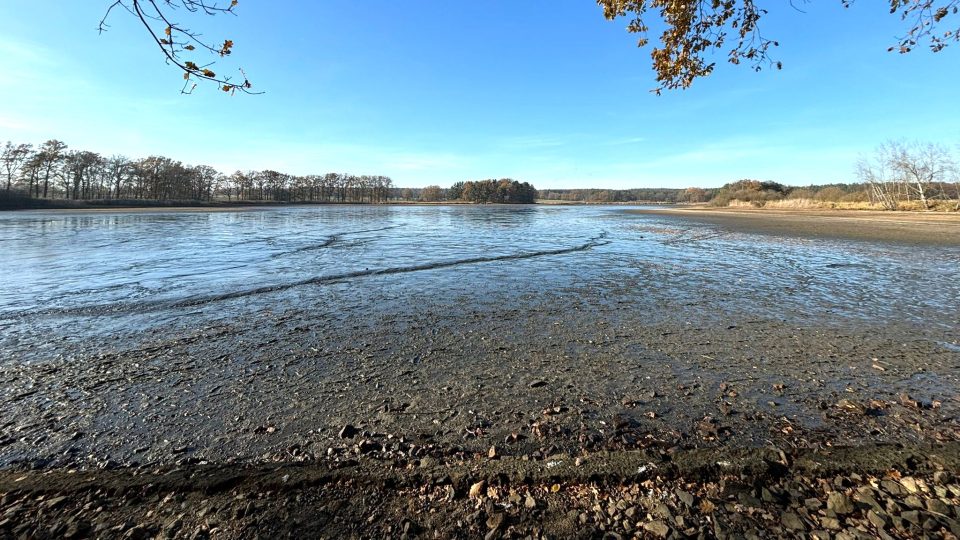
813,204
795,203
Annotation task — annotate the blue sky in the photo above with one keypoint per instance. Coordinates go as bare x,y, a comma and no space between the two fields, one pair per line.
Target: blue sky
439,91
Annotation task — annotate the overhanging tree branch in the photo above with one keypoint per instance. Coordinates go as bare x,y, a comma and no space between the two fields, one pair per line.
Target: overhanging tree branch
176,41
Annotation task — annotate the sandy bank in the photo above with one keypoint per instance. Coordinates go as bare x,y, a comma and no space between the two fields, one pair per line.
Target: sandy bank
902,227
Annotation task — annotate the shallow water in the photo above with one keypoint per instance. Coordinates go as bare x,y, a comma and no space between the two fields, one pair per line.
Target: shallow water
69,279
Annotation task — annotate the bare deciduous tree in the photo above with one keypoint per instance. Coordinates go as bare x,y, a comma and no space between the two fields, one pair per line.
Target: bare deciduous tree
118,169
901,170
13,158
49,157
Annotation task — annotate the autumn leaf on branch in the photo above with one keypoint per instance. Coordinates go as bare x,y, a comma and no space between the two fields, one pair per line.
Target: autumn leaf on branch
696,29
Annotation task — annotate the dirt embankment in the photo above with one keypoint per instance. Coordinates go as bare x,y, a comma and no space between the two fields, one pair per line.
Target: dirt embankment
924,228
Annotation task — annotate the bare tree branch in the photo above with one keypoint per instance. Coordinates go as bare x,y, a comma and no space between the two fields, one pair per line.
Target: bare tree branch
176,41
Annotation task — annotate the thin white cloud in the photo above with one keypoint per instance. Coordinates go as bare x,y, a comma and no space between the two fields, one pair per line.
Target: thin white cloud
531,142
21,52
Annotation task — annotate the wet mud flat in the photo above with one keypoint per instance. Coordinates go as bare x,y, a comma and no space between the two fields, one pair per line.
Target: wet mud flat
623,384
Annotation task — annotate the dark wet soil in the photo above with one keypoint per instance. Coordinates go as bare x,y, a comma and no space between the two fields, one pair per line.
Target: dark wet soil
381,427
278,386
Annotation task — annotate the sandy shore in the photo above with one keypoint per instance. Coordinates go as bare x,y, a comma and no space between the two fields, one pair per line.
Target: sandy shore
926,228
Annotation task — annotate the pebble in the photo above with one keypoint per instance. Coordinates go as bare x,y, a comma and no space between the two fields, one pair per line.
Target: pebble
477,489
657,528
839,503
792,521
912,516
879,521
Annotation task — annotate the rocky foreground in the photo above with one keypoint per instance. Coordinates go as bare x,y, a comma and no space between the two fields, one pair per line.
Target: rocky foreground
388,487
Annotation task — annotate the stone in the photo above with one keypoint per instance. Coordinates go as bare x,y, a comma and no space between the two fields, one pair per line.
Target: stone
54,502
893,488
839,503
495,521
864,496
912,516
878,520
942,478
910,484
657,528
938,506
908,401
954,526
477,489
830,523
662,511
348,432
850,405
793,522
913,501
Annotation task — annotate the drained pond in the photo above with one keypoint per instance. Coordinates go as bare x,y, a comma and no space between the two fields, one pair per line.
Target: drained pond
158,336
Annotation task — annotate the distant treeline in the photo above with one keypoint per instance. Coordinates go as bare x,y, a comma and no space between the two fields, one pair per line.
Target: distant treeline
503,191
52,175
52,171
900,176
665,195
757,193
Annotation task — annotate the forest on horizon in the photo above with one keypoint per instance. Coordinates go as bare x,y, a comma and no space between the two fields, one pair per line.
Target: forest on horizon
900,176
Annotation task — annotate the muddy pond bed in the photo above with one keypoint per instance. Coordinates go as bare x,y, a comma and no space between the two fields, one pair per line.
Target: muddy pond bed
361,370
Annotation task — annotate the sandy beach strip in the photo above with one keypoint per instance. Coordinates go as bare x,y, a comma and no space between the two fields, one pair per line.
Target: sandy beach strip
921,228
